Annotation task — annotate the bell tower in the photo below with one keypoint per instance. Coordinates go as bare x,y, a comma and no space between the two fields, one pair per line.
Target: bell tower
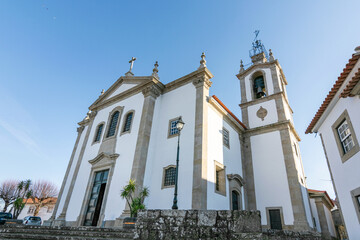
273,170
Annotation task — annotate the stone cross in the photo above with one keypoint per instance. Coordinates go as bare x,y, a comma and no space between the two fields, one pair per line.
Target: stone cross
131,63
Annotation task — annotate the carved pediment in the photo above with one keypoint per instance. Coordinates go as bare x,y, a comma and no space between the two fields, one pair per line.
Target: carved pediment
103,159
237,178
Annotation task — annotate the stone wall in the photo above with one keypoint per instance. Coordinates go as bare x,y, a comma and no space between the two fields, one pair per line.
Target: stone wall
198,224
210,224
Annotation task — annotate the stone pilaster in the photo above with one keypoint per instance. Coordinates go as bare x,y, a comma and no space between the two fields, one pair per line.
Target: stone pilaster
297,201
248,170
142,144
89,122
199,190
53,216
325,233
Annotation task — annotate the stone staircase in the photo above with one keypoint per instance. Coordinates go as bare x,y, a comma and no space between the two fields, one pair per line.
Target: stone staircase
63,233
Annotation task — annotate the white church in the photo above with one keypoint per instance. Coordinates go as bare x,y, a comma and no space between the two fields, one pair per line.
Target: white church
130,133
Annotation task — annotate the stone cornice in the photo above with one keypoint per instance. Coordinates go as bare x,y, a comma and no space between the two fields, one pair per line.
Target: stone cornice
267,98
89,117
188,78
153,90
261,65
321,197
121,80
287,124
128,93
201,81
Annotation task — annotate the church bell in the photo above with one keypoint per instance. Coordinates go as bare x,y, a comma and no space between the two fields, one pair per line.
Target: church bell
259,87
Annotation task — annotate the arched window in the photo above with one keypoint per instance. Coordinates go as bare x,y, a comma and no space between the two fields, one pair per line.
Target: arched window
113,124
98,132
169,178
259,87
235,200
128,121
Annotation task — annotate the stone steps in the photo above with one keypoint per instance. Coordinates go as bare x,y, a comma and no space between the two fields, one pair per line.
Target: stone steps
63,233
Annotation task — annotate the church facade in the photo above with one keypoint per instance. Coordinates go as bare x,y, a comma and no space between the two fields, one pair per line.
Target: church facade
130,133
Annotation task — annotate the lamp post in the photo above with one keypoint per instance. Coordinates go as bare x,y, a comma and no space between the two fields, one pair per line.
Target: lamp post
179,127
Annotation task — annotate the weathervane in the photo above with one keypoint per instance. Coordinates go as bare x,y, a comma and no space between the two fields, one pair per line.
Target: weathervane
257,46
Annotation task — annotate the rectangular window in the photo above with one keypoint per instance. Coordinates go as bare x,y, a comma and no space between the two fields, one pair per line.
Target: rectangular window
31,209
220,178
355,195
98,133
345,136
170,175
173,131
226,138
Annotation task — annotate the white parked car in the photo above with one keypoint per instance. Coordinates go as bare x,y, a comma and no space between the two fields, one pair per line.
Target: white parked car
32,220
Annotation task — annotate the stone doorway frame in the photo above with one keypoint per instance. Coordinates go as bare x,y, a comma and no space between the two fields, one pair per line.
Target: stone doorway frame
102,161
236,182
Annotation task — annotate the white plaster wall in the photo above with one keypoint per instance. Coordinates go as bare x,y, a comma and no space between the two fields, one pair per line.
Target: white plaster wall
271,117
71,172
249,87
270,175
307,206
162,150
346,175
125,148
122,88
43,213
230,158
329,221
315,214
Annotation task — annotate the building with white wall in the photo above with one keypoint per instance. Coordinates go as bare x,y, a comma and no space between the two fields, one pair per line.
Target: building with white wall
129,133
321,206
45,212
337,122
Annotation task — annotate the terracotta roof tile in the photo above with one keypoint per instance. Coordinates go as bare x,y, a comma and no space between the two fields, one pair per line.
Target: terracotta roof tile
30,200
349,87
223,105
348,68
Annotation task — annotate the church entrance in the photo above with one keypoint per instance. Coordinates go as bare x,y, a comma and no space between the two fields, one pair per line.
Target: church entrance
96,198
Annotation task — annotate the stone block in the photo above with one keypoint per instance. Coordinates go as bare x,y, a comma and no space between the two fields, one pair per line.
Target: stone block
207,218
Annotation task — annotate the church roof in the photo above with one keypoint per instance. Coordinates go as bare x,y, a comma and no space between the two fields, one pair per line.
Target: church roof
348,68
228,111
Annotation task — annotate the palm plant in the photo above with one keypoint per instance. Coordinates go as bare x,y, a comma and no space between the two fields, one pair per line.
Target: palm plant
135,202
23,191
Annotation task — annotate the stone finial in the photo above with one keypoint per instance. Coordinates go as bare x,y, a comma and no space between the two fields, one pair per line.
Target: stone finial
202,61
271,57
357,50
241,66
102,92
155,70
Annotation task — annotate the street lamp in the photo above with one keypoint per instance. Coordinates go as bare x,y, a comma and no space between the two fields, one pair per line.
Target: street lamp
179,127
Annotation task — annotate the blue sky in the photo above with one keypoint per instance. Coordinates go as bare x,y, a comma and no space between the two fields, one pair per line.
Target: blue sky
57,56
